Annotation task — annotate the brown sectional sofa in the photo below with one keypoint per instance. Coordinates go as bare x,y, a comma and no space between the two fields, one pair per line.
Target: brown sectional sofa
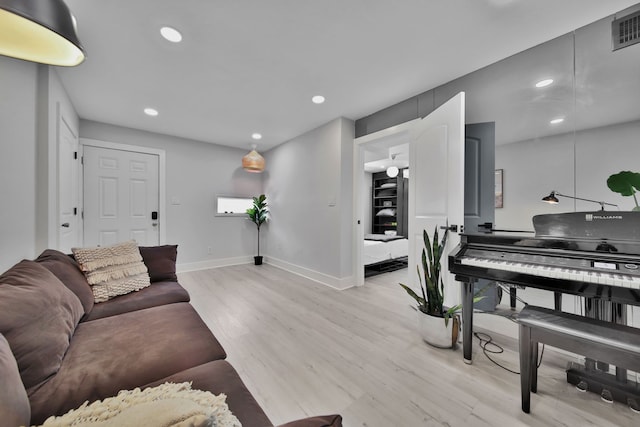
58,349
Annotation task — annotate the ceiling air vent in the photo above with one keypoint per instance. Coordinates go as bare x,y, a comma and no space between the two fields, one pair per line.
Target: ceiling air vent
626,30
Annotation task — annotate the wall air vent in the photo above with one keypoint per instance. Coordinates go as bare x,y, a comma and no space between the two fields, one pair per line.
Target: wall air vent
626,30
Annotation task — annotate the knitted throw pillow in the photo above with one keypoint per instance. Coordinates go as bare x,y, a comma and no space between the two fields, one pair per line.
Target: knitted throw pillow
113,270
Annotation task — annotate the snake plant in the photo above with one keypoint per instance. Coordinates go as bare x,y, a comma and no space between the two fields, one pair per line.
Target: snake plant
432,288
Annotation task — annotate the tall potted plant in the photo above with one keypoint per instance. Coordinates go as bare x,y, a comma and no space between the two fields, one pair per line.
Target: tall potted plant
437,324
258,215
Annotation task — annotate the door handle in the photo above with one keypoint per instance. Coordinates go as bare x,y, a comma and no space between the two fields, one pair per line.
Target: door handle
453,228
65,225
155,224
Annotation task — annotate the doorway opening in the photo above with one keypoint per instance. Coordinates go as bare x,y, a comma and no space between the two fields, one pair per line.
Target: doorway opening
381,200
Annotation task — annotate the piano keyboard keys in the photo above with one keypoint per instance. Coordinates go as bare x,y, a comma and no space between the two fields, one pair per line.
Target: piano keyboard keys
610,278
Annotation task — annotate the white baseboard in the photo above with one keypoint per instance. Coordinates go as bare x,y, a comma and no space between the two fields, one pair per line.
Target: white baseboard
325,279
212,263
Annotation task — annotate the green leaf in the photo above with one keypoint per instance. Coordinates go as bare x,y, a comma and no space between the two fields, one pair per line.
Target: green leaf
626,183
412,294
427,244
258,212
433,286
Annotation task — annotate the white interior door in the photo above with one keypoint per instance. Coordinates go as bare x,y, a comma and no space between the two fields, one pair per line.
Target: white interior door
436,185
121,194
68,188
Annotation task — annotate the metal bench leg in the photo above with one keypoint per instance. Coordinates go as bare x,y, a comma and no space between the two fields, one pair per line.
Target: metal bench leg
525,367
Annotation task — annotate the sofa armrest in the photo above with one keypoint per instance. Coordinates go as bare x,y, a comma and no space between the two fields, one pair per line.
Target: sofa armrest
320,421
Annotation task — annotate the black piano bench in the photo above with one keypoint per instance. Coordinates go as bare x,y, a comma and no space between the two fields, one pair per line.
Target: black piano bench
613,343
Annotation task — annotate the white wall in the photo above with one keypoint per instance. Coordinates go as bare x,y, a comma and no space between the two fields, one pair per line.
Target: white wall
533,168
600,153
309,187
345,202
367,203
53,103
18,86
195,173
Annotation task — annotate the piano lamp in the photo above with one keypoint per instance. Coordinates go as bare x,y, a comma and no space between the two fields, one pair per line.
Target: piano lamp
39,31
553,199
253,161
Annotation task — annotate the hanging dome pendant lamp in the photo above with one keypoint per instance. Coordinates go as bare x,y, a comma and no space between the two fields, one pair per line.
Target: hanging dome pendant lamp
253,162
392,170
39,31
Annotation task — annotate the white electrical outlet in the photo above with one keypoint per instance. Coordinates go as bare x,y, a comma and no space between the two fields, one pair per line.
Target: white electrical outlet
209,250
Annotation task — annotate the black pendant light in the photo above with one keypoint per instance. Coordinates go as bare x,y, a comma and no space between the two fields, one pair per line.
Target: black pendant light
41,31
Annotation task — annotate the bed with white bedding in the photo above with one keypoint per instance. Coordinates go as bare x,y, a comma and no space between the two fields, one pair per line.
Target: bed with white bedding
384,253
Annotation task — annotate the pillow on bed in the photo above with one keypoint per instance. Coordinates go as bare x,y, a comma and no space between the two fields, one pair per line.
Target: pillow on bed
381,237
387,212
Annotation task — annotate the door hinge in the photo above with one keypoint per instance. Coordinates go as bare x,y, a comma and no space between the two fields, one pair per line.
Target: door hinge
75,211
82,214
75,155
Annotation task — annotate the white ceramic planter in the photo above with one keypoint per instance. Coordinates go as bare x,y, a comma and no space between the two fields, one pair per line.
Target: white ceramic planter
434,332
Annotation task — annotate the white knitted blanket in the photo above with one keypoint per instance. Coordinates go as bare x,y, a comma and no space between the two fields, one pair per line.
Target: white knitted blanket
167,405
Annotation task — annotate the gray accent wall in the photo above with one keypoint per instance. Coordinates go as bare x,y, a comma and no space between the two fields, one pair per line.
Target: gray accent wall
415,107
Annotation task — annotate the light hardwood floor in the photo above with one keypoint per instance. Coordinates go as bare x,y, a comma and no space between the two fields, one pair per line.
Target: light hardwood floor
305,349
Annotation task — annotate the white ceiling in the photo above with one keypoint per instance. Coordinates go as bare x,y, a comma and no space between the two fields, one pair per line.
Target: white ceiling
248,66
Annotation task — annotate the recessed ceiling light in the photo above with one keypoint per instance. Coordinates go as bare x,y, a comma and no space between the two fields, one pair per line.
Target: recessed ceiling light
318,99
545,82
151,112
171,34
256,136
556,121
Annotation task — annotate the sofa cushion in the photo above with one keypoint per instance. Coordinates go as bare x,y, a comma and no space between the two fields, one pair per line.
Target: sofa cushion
14,404
113,270
159,293
124,352
220,377
161,262
167,404
38,316
69,273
